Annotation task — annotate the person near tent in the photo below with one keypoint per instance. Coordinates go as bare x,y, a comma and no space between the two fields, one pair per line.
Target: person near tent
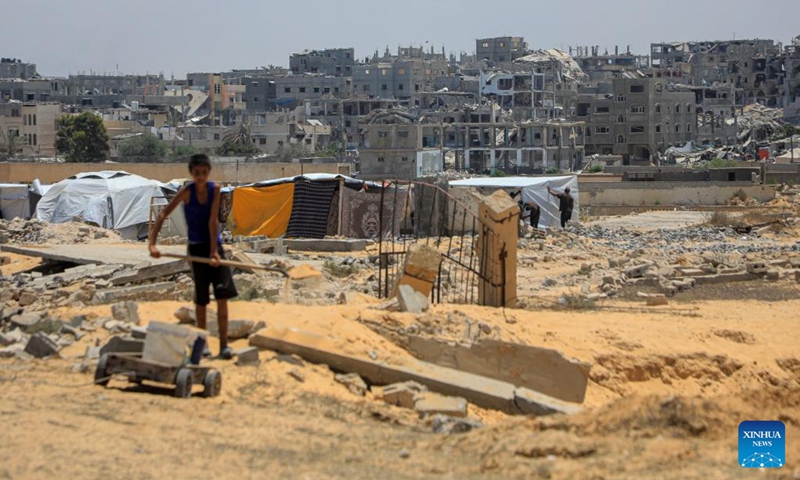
531,210
565,204
201,204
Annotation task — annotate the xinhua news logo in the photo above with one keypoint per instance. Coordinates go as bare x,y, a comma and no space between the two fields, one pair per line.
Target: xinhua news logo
762,444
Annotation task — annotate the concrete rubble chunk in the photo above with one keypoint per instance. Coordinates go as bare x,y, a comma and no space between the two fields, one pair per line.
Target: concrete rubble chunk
353,382
636,272
430,403
26,298
127,311
756,268
247,356
4,260
297,375
421,268
41,345
27,321
411,301
401,394
14,336
449,425
124,344
12,351
156,291
773,275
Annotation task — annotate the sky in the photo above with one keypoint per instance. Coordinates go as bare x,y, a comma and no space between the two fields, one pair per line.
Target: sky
178,36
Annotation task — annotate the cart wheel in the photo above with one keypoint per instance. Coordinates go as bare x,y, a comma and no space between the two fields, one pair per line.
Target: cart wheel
212,383
183,383
101,374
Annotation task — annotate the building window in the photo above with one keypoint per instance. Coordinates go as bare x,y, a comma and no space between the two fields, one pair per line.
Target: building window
216,136
688,108
381,159
327,90
416,88
35,140
308,141
622,98
401,71
25,120
255,99
316,89
400,87
502,44
485,44
677,108
335,89
620,139
620,119
637,129
603,109
689,127
602,130
366,88
677,129
637,88
384,71
302,89
637,109
658,108
34,119
405,159
287,90
658,128
659,88
262,141
384,87
402,134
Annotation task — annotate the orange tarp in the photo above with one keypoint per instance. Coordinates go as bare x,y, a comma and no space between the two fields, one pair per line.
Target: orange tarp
262,211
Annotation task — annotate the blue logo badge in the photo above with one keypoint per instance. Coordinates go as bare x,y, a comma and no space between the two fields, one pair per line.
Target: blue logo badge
762,445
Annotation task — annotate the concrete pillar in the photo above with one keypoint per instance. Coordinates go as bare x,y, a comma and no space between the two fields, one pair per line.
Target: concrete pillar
497,250
519,158
492,160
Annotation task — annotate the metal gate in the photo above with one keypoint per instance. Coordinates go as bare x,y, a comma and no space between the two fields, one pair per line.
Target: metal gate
473,258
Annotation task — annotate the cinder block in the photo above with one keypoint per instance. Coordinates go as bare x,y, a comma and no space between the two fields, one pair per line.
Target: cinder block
433,404
41,346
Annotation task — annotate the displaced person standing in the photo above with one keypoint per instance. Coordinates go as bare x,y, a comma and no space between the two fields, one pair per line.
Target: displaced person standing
533,212
565,204
201,200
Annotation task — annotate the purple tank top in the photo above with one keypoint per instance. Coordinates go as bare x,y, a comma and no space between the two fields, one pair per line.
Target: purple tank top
198,215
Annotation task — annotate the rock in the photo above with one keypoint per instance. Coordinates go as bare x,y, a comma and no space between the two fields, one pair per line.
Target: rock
404,453
241,329
124,344
756,268
185,315
549,282
411,300
297,375
429,403
26,298
353,382
247,356
12,337
774,275
449,425
127,311
69,329
401,394
636,272
27,321
485,328
12,351
41,346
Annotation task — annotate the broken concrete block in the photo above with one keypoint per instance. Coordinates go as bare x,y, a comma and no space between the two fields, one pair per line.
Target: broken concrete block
401,394
153,292
421,268
12,337
127,311
773,275
433,404
653,299
353,382
27,320
411,300
450,425
123,345
12,351
139,333
69,329
756,268
297,375
240,329
681,286
185,315
41,346
637,271
247,356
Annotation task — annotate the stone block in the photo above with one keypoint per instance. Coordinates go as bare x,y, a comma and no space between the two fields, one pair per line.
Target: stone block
123,345
773,275
682,286
353,382
12,337
401,394
153,292
27,321
430,403
139,333
756,268
41,346
247,356
411,301
421,268
636,272
26,297
127,311
12,351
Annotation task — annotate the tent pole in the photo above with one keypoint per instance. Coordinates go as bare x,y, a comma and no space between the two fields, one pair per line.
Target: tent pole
341,205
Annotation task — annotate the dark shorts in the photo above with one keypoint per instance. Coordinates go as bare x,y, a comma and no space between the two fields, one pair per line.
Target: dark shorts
206,275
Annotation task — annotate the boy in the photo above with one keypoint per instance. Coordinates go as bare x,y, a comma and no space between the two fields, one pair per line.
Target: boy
201,200
565,205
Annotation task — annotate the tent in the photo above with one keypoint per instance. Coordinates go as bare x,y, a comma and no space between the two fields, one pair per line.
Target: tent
14,201
306,206
110,199
534,189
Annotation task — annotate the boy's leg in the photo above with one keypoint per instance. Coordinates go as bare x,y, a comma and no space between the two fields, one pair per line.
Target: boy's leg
222,320
200,316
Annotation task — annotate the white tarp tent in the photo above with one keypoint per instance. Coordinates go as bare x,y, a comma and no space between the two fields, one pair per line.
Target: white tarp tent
110,199
534,189
14,201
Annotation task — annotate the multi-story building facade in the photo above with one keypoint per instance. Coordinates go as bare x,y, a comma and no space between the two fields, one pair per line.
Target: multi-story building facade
636,118
15,68
334,62
500,49
401,79
293,90
39,128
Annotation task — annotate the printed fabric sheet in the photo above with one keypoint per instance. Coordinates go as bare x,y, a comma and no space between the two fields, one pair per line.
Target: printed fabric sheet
361,217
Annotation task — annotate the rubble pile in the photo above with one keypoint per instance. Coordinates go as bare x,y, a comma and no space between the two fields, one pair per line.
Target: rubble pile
758,117
33,231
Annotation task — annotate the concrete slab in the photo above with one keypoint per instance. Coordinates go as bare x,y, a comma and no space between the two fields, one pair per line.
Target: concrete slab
129,255
481,391
540,369
728,278
153,292
326,245
429,403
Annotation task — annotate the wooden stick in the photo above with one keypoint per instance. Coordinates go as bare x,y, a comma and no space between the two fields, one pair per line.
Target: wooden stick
228,263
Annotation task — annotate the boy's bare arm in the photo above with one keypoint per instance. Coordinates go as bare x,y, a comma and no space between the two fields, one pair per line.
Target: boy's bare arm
162,217
213,222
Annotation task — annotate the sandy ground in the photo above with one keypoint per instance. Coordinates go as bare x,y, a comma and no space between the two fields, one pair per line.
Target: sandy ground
668,388
653,220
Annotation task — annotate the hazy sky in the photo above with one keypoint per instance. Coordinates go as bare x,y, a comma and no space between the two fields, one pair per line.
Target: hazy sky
180,36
